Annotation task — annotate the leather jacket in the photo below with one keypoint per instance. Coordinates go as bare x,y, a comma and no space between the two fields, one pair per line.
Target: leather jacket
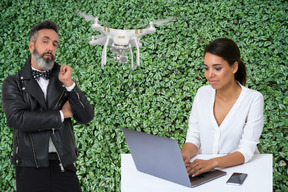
34,120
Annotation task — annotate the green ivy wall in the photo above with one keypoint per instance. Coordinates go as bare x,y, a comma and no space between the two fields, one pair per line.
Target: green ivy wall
157,97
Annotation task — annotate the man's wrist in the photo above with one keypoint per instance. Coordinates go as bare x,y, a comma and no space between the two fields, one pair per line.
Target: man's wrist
68,83
70,88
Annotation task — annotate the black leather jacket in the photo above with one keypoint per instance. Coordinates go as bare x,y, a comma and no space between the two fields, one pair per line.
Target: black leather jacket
35,120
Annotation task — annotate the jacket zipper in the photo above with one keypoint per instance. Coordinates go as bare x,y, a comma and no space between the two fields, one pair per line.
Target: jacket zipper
53,132
60,162
58,102
79,98
17,145
33,149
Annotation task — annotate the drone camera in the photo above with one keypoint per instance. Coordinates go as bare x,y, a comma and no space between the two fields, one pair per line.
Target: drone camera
121,59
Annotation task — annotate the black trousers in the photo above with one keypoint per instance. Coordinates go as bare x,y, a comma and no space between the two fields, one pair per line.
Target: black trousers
47,179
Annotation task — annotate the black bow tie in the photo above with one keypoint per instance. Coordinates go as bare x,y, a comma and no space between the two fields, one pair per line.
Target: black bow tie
38,74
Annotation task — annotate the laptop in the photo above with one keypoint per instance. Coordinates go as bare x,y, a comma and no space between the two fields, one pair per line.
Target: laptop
161,157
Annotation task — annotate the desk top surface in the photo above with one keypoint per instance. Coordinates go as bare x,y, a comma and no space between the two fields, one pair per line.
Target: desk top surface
259,170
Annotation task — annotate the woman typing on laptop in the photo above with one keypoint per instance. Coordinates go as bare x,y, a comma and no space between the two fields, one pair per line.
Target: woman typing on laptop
226,117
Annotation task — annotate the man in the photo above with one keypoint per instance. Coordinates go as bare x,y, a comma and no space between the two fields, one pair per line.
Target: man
38,102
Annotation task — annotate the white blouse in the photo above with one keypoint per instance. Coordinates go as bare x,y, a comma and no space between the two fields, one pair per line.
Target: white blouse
239,131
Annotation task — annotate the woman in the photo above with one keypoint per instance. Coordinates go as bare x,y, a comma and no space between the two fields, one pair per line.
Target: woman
226,117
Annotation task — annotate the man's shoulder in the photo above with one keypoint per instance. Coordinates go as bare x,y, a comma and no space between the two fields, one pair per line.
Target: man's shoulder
13,77
10,83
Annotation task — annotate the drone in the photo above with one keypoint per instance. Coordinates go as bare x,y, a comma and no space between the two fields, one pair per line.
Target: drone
120,41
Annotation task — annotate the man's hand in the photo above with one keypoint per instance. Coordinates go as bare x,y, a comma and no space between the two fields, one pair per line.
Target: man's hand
66,110
65,75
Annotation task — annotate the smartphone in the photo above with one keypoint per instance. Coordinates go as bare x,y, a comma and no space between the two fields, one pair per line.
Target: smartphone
237,178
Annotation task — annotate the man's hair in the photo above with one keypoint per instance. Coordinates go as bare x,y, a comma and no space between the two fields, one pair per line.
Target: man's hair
48,24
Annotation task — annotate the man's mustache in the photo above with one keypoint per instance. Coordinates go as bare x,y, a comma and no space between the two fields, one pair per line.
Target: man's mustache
52,57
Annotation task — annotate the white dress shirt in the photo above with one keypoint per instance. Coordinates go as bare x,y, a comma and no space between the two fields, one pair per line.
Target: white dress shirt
43,83
239,131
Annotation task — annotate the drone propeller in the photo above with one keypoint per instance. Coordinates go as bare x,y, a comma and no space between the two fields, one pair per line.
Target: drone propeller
158,22
99,41
161,22
89,17
85,16
92,38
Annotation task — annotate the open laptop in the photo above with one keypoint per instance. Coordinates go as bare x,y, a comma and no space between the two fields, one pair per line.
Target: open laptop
161,157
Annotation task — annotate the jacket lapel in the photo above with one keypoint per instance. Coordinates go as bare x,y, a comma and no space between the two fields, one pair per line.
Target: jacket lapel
35,91
30,85
54,91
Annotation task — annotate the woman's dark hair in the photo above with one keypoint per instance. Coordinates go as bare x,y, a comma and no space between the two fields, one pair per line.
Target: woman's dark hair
48,24
228,50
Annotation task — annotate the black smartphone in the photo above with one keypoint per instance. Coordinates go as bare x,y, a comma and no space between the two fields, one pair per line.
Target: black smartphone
237,178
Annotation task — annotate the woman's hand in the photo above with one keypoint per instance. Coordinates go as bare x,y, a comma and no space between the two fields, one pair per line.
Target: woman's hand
199,166
189,150
186,161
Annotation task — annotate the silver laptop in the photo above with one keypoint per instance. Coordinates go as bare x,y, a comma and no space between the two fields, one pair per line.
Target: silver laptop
161,157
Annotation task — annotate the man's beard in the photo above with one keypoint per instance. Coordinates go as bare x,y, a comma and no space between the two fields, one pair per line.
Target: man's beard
45,64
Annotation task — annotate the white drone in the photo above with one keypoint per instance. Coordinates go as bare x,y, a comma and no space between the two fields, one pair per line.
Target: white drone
120,41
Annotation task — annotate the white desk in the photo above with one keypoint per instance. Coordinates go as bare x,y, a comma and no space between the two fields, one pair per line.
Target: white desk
259,169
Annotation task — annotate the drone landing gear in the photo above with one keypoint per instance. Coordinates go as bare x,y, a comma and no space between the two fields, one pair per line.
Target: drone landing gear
104,53
137,54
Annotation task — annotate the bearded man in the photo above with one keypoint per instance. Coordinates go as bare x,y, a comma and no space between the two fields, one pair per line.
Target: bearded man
39,102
